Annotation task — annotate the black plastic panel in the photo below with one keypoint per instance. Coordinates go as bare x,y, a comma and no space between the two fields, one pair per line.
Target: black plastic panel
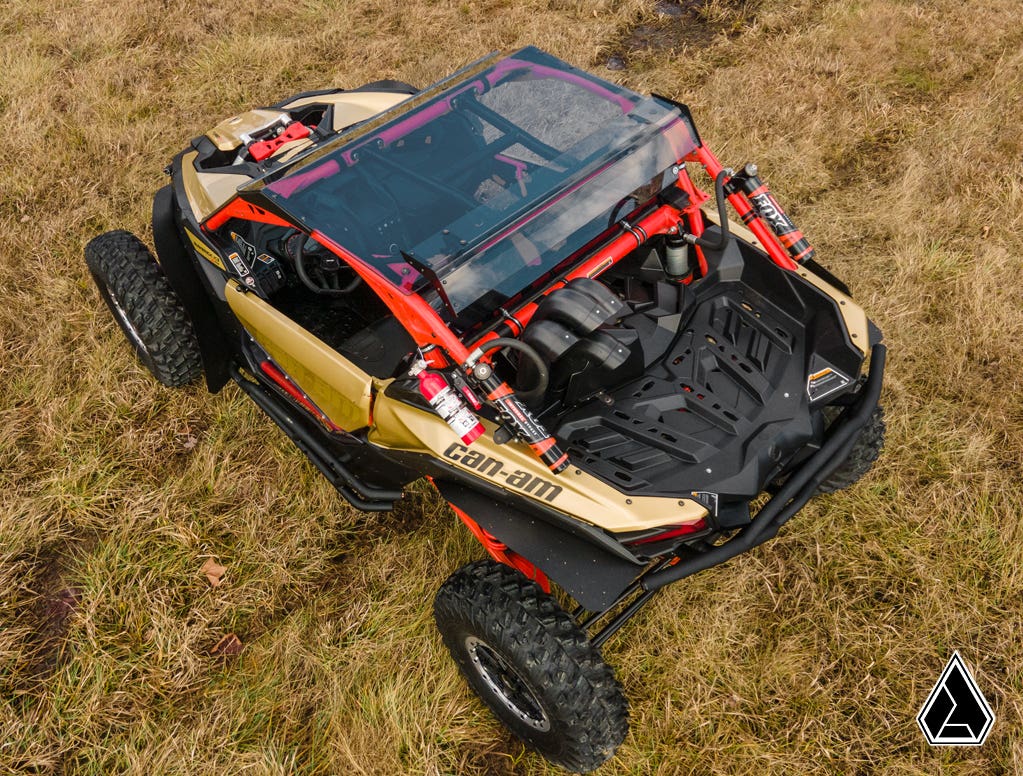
726,404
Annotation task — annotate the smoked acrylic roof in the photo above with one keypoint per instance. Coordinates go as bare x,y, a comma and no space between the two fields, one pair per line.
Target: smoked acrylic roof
487,180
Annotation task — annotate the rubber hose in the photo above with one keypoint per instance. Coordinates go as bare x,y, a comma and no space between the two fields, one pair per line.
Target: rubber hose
719,195
542,372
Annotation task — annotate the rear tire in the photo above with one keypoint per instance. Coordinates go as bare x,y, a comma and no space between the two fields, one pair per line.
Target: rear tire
862,457
532,665
145,307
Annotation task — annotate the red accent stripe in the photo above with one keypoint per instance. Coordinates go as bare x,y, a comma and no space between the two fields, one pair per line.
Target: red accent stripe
293,391
542,447
562,460
682,530
500,392
804,254
246,211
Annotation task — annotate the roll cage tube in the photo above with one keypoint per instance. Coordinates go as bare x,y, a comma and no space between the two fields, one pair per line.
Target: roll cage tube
427,328
742,206
486,81
422,321
666,219
632,236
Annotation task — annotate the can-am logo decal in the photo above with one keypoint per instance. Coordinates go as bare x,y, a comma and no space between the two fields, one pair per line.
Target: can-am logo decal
495,469
956,712
204,250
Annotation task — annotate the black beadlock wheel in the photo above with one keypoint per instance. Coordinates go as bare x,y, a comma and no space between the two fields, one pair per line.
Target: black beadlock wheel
532,665
145,307
861,458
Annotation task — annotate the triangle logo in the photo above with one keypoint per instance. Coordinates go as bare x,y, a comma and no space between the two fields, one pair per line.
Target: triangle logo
956,713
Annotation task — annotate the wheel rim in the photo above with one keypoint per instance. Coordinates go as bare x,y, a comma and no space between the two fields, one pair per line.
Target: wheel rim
507,684
126,325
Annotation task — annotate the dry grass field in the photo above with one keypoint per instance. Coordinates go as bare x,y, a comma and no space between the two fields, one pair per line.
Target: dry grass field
891,130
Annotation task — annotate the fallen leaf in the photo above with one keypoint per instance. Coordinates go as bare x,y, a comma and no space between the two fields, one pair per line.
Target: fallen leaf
25,219
228,646
214,571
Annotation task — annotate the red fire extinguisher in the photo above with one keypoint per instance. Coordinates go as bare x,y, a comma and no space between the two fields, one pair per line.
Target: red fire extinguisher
447,403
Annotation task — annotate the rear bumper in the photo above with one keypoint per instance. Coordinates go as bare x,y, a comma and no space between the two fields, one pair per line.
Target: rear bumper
801,485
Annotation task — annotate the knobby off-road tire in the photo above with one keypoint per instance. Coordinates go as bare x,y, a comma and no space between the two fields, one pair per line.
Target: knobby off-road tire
145,307
862,457
532,665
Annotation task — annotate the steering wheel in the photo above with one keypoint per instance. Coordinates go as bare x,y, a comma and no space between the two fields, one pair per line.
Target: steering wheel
321,272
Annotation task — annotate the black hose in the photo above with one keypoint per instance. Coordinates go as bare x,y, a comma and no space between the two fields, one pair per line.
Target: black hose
719,195
617,209
542,372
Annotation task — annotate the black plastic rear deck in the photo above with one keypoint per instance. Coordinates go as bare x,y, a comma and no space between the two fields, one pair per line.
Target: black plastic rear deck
726,406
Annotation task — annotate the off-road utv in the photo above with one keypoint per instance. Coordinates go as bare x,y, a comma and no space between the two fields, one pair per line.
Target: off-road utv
511,284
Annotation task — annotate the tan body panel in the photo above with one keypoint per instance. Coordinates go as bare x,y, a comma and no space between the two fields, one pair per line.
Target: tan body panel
399,426
352,107
227,135
345,393
335,384
207,191
853,315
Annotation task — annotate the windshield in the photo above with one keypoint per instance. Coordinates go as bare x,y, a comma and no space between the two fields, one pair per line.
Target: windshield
487,186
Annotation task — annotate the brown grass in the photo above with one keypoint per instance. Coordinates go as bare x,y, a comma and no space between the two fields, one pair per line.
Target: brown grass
890,129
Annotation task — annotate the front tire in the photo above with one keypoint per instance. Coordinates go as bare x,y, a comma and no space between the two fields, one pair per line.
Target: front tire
532,665
145,307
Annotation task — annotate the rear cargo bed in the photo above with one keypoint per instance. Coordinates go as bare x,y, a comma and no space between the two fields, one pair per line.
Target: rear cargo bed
730,400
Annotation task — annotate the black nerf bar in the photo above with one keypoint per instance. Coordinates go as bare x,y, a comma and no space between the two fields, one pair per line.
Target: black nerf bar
796,491
354,491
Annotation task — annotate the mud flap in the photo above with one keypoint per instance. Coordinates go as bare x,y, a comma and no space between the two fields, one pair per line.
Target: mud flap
180,272
593,575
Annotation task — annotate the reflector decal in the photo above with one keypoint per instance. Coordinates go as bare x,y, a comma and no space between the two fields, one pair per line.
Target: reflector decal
825,382
204,250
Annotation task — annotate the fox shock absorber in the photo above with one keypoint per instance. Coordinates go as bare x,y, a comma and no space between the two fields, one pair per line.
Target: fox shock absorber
770,212
518,417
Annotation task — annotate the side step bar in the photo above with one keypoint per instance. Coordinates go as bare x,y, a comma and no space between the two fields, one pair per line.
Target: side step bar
359,494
